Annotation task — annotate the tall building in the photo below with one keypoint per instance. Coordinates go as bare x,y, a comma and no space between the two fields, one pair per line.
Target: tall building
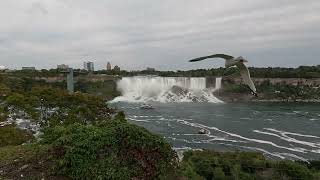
116,68
62,66
109,66
88,66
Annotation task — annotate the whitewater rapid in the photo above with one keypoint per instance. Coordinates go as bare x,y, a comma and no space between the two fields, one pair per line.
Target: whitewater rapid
166,89
272,130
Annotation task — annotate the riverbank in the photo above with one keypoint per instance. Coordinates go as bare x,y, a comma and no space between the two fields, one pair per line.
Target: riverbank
271,90
244,97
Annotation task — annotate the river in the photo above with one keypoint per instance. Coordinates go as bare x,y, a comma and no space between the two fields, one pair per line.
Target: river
278,130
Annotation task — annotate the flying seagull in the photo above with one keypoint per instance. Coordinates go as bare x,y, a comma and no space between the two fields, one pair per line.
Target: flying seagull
231,61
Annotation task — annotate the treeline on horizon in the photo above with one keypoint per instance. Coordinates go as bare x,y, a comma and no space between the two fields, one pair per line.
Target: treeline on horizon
270,72
257,72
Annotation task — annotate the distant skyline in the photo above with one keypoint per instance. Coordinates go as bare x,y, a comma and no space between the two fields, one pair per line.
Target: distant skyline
160,34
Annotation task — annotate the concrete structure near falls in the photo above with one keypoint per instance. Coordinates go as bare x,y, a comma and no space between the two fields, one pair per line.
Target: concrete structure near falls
70,82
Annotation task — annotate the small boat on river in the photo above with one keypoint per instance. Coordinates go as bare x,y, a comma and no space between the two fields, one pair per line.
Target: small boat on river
146,106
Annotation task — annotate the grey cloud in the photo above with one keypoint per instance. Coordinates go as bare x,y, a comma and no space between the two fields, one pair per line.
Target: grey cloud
162,34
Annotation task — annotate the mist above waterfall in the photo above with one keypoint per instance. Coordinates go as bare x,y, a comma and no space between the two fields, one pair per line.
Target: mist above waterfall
166,89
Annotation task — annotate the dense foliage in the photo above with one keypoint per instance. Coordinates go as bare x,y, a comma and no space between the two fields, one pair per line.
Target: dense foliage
115,150
242,165
22,81
106,89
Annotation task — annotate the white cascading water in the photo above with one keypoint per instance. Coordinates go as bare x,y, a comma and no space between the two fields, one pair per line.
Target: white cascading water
218,83
165,89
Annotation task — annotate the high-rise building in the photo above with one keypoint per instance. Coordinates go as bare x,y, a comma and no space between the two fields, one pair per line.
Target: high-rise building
116,68
88,66
109,66
62,66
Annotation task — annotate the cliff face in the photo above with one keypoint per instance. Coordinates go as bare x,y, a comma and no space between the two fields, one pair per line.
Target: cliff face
271,89
315,82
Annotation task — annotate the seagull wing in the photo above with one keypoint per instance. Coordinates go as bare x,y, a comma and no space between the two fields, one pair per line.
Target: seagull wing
224,56
245,74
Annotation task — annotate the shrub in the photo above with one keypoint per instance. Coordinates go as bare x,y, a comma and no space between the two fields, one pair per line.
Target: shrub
242,165
117,151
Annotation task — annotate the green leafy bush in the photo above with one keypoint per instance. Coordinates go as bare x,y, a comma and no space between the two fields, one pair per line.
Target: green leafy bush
116,151
242,165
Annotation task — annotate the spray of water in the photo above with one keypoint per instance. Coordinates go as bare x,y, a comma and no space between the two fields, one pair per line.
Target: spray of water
166,89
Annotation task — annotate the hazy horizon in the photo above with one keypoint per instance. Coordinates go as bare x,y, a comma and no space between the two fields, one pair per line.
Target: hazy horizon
159,34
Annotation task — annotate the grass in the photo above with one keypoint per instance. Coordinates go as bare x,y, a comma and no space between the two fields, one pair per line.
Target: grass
11,136
11,154
30,161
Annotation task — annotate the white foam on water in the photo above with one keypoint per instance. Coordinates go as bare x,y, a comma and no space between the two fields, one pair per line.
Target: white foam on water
301,150
290,139
185,140
222,139
313,119
138,120
161,89
291,133
257,149
219,115
294,156
275,154
213,138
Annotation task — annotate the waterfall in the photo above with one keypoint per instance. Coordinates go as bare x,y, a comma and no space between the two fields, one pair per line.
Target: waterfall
218,83
164,89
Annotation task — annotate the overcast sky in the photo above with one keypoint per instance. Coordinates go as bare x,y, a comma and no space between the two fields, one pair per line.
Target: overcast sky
164,34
